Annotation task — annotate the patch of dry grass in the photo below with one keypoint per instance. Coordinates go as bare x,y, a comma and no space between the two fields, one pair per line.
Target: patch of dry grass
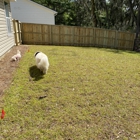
88,93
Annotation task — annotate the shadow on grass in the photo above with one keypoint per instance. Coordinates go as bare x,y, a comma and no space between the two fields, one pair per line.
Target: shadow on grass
35,73
118,51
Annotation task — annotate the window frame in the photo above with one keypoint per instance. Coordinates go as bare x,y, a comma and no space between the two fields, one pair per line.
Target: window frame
8,18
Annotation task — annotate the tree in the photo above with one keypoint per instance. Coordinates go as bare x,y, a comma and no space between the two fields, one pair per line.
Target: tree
111,14
63,7
137,41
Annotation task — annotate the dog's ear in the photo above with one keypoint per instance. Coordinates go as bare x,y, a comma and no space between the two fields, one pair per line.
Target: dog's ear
36,53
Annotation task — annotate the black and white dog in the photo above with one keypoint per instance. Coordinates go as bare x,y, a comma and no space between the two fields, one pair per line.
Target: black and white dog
42,62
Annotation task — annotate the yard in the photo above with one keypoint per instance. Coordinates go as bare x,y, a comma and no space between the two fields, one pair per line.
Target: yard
88,93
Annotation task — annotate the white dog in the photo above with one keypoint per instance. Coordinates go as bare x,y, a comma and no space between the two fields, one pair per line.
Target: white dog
16,56
42,61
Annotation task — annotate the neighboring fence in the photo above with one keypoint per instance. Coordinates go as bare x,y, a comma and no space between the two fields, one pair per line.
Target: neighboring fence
17,32
40,34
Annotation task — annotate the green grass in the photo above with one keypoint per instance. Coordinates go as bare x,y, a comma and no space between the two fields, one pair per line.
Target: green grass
88,93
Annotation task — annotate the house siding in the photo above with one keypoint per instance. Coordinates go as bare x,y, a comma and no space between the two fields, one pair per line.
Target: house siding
29,12
6,41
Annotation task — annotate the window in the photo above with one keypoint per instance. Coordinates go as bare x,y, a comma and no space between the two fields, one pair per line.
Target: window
8,20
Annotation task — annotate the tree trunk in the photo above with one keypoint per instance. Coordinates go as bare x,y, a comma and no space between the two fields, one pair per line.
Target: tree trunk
93,14
136,45
107,15
131,9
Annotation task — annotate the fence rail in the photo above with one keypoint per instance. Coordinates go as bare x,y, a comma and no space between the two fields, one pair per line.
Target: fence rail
40,34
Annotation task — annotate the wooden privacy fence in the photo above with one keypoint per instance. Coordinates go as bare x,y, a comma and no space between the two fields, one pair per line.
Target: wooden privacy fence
17,32
40,34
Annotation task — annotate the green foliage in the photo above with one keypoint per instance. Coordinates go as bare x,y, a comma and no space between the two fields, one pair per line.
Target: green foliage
88,93
120,15
63,7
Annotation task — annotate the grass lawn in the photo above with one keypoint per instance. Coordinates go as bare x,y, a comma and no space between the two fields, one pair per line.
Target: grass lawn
87,94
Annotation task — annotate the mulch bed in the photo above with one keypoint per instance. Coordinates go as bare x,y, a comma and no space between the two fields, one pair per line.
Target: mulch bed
7,67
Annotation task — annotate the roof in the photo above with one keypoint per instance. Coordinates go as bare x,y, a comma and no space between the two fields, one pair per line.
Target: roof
55,13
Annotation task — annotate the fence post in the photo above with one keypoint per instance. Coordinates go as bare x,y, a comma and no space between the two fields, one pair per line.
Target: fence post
15,31
59,36
94,36
73,36
22,32
42,34
51,42
116,40
19,32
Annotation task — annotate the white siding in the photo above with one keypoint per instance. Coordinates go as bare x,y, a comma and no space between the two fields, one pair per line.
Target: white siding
29,12
6,41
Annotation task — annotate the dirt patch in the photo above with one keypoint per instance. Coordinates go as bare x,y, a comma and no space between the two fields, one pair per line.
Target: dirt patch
7,67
